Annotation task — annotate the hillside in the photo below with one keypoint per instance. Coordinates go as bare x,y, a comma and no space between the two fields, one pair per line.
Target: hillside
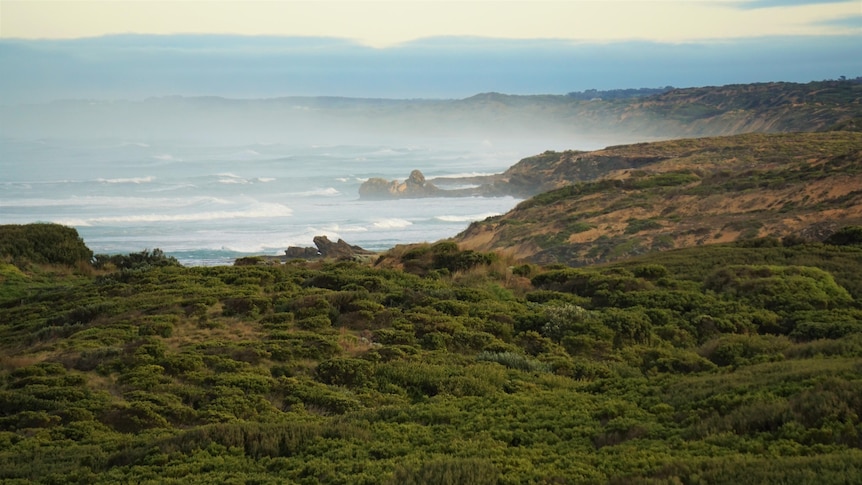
760,107
627,200
676,113
711,332
460,368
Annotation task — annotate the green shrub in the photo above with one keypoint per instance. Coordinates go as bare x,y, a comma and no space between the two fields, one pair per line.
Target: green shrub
833,324
345,372
513,361
316,322
245,306
43,243
675,360
315,396
565,319
780,288
447,471
630,325
846,236
462,260
637,225
135,261
736,350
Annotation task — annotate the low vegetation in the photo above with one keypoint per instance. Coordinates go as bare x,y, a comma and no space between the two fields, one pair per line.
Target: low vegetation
729,363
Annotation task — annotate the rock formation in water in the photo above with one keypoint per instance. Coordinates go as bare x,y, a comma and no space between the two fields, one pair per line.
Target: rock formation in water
414,187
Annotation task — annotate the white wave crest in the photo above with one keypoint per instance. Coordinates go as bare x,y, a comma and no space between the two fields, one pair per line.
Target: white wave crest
233,181
463,175
72,222
338,228
130,180
467,218
258,211
393,223
117,203
231,178
168,188
329,191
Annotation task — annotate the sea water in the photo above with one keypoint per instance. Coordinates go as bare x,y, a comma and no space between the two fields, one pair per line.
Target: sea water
209,204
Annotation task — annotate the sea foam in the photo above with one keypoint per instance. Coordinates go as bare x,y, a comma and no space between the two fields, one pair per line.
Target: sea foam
259,211
393,223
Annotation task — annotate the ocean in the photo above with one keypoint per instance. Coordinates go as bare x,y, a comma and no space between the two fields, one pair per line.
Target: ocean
210,204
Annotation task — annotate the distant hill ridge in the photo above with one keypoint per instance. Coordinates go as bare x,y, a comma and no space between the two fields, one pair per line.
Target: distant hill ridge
706,111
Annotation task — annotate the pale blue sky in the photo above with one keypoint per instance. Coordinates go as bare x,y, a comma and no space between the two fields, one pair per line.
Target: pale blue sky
133,49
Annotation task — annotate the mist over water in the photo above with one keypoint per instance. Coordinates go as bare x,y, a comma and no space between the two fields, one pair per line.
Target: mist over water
209,204
208,180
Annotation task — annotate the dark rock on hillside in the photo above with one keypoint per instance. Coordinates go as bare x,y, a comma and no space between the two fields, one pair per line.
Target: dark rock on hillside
296,252
327,249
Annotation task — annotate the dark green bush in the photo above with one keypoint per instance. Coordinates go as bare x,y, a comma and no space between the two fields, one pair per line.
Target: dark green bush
846,236
43,243
345,372
513,361
135,261
744,349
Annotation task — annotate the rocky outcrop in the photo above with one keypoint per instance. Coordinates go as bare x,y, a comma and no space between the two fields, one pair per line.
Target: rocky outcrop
327,249
296,252
414,187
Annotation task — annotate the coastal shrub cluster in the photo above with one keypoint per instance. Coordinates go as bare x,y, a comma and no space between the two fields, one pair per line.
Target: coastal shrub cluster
725,364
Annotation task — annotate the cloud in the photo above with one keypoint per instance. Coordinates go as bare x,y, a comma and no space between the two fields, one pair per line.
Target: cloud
390,23
758,4
137,67
853,22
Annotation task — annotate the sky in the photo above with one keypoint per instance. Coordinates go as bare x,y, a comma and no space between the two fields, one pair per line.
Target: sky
387,23
134,49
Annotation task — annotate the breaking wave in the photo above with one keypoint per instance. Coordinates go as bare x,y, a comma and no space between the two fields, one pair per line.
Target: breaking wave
259,211
393,223
131,180
328,192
